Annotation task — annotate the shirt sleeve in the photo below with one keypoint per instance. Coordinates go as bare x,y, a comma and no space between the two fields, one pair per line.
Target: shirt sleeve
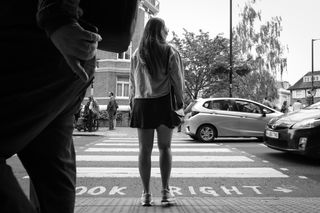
176,70
52,14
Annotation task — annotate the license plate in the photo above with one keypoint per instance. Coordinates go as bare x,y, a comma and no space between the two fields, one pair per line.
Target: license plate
272,134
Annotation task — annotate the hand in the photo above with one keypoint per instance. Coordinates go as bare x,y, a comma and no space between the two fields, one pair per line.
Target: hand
76,44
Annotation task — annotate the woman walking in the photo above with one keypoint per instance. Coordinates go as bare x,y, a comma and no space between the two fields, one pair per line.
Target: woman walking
156,67
284,107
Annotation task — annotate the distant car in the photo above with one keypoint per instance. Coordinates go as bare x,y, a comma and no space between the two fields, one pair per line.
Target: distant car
227,117
298,131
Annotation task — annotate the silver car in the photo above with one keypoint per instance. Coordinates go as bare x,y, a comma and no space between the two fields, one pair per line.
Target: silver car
227,117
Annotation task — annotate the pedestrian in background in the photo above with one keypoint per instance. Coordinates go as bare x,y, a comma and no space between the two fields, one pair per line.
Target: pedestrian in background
309,98
284,107
50,81
112,110
297,105
91,112
155,66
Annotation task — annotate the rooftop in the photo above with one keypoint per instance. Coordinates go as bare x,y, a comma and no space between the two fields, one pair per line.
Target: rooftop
306,85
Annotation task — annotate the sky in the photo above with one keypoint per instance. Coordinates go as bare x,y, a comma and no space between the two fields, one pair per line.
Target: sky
300,22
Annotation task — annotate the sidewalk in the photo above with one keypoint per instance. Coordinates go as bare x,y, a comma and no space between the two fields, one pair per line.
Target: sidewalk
202,205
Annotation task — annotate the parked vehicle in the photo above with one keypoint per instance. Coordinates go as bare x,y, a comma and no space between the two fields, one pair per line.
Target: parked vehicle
298,131
227,117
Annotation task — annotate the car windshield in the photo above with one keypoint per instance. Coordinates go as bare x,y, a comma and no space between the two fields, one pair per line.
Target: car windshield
314,106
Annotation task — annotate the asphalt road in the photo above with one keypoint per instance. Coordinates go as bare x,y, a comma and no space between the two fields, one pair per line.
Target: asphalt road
107,167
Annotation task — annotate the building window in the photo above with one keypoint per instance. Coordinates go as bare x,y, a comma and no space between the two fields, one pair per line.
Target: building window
307,79
298,94
125,55
122,86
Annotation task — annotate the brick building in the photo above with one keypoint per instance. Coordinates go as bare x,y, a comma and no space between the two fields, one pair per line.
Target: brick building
112,71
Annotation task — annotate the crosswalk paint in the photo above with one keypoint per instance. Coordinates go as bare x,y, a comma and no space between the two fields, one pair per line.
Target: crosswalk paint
130,172
156,150
126,158
132,140
136,139
179,144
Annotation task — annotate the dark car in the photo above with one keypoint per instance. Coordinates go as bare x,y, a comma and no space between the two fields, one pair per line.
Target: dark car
298,131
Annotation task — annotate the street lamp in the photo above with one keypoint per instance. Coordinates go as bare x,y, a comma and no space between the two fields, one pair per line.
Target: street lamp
230,72
312,87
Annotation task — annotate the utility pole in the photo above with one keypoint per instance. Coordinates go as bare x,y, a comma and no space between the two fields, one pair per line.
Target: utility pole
231,65
313,91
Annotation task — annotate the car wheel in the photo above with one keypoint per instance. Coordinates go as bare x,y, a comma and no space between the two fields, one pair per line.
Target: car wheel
206,133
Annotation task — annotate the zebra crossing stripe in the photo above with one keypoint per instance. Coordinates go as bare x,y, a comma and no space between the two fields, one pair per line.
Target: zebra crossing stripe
155,138
156,150
136,141
126,158
130,172
179,144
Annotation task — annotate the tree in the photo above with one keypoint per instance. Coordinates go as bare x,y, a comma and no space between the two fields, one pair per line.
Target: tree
206,63
257,58
255,86
261,42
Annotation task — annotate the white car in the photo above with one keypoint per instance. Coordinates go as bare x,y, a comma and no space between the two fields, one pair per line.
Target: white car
227,117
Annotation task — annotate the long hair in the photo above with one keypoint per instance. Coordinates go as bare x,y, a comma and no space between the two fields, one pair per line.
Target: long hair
153,46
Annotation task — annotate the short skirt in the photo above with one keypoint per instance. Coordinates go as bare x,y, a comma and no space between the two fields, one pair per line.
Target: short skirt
150,113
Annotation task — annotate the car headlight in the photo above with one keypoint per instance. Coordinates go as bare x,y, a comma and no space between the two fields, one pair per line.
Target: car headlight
306,124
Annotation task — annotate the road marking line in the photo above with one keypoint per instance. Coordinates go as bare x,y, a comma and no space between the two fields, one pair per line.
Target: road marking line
117,134
259,172
126,158
302,177
155,138
131,144
136,141
156,150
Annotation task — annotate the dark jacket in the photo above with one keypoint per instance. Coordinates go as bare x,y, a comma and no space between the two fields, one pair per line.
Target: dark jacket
34,74
112,106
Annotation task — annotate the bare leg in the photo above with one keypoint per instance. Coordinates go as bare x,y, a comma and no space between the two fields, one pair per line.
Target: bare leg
164,143
145,150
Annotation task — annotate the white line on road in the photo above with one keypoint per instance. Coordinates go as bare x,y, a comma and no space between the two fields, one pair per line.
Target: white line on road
136,139
156,150
259,172
126,158
179,144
